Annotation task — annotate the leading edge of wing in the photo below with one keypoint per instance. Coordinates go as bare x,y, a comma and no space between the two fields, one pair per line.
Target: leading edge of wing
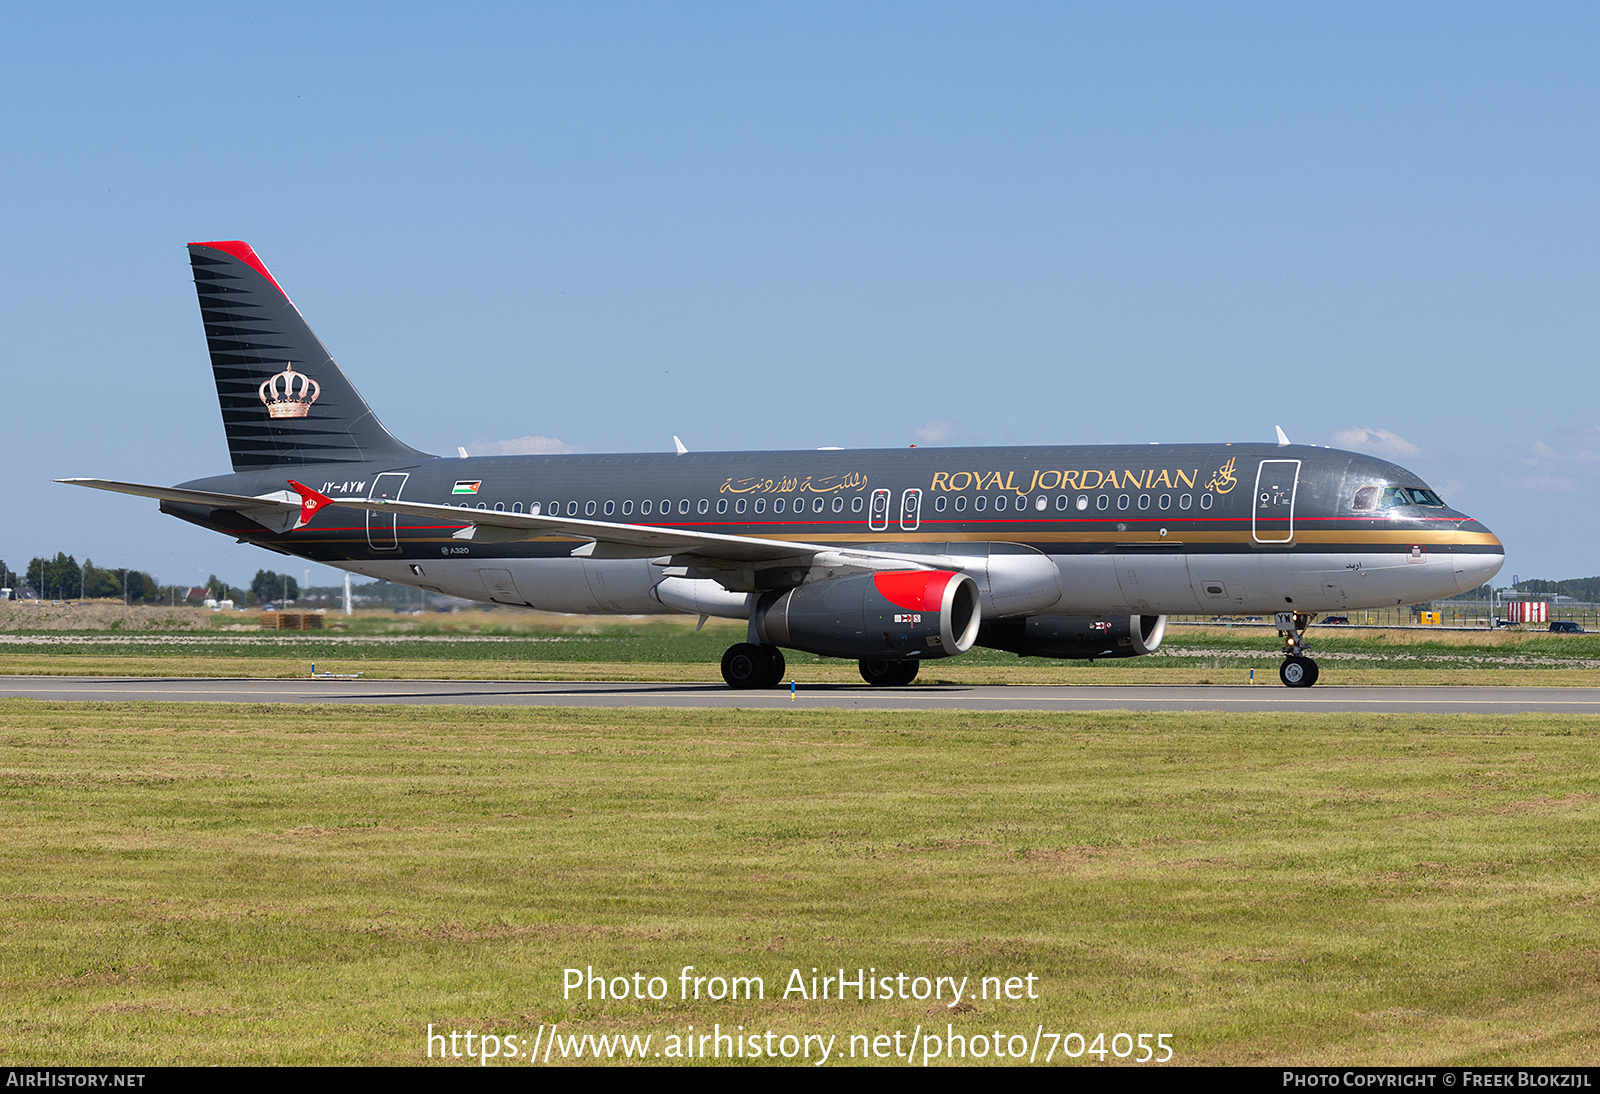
506,527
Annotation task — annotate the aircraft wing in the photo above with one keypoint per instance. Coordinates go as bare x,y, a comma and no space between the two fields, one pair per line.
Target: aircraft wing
609,539
279,510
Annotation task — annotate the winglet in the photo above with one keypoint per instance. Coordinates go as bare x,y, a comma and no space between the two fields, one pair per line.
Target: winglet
679,445
311,502
1283,438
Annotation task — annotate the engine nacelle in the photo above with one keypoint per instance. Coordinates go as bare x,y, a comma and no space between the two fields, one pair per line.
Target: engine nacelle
1076,636
891,615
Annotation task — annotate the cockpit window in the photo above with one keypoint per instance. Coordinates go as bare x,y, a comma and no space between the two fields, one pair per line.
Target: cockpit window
1394,497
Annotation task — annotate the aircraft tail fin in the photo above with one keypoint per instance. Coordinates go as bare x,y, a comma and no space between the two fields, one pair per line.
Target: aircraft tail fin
284,400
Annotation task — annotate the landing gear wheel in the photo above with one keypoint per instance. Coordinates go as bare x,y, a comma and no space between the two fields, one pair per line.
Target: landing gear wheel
1298,672
889,674
746,666
776,665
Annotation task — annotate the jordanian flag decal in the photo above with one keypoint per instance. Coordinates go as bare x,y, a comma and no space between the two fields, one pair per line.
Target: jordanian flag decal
466,486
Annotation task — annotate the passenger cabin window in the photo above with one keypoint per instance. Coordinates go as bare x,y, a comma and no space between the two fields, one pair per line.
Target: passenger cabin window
777,505
588,509
704,506
961,502
738,506
611,507
722,506
644,507
627,507
939,503
856,504
761,505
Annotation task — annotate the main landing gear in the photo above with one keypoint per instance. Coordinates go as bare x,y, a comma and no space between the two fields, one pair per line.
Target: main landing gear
1297,670
889,674
750,666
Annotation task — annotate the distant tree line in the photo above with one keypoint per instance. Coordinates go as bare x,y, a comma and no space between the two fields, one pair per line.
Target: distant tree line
1578,588
61,578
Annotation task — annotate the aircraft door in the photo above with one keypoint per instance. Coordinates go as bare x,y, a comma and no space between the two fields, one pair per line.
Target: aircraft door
1272,513
502,586
878,514
381,534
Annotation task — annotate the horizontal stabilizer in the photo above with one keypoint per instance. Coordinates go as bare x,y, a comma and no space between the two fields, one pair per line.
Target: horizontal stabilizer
279,511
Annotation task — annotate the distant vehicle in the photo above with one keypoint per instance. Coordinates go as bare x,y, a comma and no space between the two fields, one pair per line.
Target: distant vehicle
1565,626
1336,619
1505,623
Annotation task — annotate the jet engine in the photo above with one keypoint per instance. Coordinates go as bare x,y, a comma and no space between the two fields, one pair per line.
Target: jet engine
888,615
1076,636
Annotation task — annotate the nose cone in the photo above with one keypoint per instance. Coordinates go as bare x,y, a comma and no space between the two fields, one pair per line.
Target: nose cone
1478,556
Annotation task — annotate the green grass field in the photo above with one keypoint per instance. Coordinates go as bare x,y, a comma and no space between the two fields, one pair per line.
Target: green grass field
528,646
219,884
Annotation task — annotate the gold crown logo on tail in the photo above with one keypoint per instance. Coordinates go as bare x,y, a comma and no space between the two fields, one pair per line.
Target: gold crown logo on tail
289,394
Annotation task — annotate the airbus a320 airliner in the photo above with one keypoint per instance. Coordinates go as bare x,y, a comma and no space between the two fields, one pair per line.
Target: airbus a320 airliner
888,557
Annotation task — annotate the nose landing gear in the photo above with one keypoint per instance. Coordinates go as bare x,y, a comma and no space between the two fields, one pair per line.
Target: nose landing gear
1297,670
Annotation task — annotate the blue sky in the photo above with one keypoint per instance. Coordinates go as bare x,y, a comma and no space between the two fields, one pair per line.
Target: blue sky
594,226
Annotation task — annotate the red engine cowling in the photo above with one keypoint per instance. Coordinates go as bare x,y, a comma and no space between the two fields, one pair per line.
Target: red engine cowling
891,615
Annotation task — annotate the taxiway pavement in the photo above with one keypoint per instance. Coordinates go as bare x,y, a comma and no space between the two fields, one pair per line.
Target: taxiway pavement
1432,700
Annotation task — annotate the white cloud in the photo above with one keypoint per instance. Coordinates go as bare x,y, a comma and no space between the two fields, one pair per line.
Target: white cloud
1582,448
935,432
522,446
1380,442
